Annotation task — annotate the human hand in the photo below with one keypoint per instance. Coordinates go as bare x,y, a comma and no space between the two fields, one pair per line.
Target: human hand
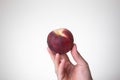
65,70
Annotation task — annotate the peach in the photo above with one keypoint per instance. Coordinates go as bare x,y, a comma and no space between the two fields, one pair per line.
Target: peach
60,40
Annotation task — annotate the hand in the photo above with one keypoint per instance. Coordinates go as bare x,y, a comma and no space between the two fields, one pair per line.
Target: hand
65,70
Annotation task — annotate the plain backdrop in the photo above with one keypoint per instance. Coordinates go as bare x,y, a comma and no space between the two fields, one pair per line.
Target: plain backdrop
25,24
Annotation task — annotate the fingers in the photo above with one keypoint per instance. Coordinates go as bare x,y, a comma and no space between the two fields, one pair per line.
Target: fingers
59,66
61,69
57,62
77,57
58,59
52,54
64,56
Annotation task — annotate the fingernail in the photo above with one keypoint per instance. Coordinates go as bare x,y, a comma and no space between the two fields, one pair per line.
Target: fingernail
57,54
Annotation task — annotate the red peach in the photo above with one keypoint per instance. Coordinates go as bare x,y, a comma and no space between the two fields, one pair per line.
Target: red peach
60,40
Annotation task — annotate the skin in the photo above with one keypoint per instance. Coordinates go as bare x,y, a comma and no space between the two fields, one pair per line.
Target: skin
65,70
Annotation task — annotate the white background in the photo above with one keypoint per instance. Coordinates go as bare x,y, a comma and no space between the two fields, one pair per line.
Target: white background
25,24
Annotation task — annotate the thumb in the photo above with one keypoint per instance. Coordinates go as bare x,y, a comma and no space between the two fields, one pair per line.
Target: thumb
77,57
